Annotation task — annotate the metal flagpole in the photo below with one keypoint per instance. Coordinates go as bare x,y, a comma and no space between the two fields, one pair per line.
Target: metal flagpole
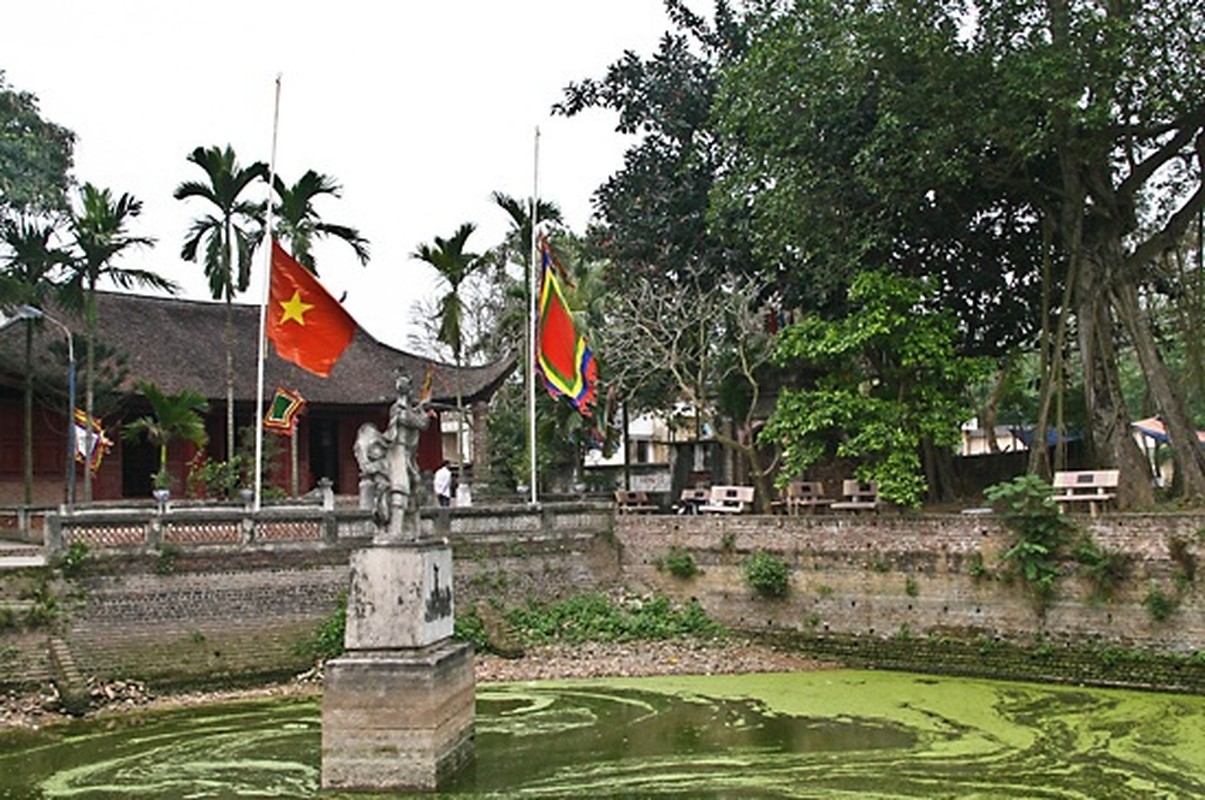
533,285
263,313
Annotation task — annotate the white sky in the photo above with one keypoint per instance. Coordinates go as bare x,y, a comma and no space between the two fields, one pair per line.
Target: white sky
419,109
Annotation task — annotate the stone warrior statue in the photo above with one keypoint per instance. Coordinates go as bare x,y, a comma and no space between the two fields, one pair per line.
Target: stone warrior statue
389,478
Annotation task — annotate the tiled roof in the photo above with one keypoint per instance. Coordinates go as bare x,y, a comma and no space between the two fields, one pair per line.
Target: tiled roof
180,344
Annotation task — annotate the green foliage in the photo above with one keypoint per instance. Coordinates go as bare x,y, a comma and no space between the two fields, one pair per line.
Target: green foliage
173,417
74,561
327,641
1180,552
1159,604
977,569
679,563
300,225
560,434
208,477
35,155
911,587
45,610
229,226
766,574
1027,508
596,618
166,556
887,380
468,627
1106,570
728,541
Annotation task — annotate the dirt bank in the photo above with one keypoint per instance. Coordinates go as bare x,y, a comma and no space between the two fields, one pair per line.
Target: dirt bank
634,659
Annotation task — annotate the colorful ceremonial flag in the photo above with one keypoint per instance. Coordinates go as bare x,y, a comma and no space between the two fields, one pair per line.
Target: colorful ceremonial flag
305,324
283,412
566,362
424,396
90,448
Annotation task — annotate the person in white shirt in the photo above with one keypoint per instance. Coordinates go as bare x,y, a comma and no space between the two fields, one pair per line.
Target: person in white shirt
443,484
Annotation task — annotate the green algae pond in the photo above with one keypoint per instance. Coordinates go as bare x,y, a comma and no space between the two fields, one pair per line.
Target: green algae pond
841,733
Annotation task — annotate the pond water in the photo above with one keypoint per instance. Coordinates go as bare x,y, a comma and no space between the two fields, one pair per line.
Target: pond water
840,734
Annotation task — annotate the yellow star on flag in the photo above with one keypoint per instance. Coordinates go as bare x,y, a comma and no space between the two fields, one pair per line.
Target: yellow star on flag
295,309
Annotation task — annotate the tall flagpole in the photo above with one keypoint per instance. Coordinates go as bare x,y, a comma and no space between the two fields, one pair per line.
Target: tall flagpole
263,313
533,285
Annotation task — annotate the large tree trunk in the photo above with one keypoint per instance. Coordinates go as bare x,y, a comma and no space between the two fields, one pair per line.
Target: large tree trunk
1190,460
1111,443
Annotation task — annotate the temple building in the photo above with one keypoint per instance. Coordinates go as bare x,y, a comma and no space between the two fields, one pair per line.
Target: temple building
180,345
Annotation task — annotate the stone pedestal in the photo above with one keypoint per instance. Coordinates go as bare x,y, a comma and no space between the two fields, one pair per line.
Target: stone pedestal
398,706
397,721
401,596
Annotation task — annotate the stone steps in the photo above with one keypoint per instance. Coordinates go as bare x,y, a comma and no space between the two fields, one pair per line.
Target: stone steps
20,555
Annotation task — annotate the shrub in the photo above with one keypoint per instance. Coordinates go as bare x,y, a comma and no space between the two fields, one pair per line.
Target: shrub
74,561
596,618
1106,570
1026,506
1180,554
327,641
978,570
1159,604
766,574
165,559
679,563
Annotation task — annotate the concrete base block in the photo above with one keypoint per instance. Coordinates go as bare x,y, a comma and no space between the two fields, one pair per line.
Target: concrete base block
397,720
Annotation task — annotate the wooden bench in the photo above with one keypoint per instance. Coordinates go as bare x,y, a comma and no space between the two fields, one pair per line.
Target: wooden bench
692,498
1094,487
858,496
803,496
728,500
633,502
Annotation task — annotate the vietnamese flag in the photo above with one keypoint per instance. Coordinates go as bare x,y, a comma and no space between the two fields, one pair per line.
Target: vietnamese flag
306,324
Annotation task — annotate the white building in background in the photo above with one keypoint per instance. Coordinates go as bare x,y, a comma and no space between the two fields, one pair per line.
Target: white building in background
974,439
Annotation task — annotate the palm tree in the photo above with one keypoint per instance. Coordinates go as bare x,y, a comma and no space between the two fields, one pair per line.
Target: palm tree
518,238
234,225
98,228
454,265
33,263
516,249
299,224
172,417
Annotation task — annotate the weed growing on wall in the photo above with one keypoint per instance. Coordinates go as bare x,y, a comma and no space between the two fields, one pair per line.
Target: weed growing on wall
165,560
44,611
1027,508
327,641
1178,550
1159,604
74,561
679,563
766,574
1106,570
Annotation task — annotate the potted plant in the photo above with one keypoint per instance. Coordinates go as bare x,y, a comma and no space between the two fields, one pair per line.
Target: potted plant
172,417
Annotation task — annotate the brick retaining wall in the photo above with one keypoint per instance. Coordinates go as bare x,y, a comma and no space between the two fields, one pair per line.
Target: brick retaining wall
891,588
879,576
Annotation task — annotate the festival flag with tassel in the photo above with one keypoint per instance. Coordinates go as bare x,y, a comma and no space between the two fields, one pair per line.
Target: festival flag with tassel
565,359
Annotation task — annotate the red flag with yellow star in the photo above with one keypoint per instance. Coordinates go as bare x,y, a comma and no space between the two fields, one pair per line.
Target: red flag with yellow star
306,325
